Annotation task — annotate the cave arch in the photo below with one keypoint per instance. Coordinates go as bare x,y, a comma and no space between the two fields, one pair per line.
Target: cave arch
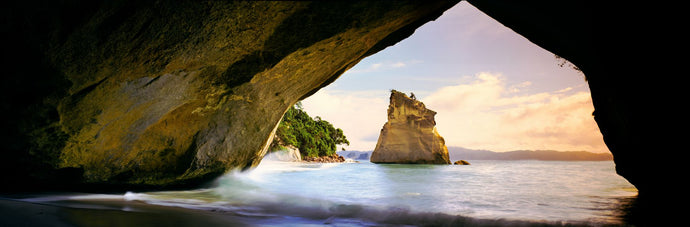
82,76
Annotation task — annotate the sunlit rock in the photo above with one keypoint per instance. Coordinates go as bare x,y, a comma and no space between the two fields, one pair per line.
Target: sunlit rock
409,135
170,93
153,94
289,153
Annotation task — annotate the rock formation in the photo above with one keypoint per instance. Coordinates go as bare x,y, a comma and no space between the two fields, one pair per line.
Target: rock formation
461,162
152,94
325,159
289,153
161,93
409,135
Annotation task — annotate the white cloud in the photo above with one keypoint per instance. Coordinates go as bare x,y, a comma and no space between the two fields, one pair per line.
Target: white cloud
564,90
485,115
382,66
360,114
375,66
482,113
398,65
519,87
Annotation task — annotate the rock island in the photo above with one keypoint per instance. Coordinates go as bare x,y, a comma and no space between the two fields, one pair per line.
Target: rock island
409,135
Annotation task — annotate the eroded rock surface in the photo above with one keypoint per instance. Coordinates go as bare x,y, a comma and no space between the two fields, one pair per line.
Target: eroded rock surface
85,96
409,135
171,93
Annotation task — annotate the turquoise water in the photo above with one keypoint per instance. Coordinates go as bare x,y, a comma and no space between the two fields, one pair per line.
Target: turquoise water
366,194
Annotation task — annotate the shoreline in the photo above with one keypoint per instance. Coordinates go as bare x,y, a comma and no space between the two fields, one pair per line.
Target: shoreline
80,209
335,158
115,212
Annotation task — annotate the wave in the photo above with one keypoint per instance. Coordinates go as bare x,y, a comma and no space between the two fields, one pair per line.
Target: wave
254,196
271,167
298,211
246,194
273,209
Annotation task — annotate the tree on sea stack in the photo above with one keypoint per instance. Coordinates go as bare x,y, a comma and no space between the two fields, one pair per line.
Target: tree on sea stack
409,135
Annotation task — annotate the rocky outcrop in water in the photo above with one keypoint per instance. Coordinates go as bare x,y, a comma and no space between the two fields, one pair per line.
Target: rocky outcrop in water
409,135
461,162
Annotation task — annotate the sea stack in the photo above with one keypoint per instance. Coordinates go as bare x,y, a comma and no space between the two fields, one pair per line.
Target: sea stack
409,136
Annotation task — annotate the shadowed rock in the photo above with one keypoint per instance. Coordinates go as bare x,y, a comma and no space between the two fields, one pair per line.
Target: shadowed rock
461,162
170,93
620,58
152,94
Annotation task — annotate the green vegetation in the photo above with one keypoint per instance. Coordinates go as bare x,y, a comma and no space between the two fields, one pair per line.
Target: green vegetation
313,136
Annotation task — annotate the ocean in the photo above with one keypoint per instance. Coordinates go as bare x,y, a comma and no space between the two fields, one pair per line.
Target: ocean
487,192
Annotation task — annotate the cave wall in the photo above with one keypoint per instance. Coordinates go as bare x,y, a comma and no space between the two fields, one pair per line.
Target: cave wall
622,49
169,93
160,94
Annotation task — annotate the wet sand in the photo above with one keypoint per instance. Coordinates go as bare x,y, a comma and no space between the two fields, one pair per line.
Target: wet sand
111,213
119,212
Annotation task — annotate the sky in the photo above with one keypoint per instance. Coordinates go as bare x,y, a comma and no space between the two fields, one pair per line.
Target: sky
492,89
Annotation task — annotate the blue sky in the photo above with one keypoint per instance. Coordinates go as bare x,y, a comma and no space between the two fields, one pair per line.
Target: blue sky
492,89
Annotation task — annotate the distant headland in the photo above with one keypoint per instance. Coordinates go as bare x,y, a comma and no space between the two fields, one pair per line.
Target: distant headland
544,155
458,153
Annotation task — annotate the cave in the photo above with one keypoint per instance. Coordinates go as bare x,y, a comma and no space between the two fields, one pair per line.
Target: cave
128,94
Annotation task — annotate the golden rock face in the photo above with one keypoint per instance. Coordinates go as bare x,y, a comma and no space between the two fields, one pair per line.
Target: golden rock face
409,135
167,94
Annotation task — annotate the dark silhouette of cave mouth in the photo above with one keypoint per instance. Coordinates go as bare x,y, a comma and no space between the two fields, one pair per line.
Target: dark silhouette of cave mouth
598,41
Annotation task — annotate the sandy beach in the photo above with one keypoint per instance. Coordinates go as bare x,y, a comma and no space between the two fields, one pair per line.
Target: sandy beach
110,213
